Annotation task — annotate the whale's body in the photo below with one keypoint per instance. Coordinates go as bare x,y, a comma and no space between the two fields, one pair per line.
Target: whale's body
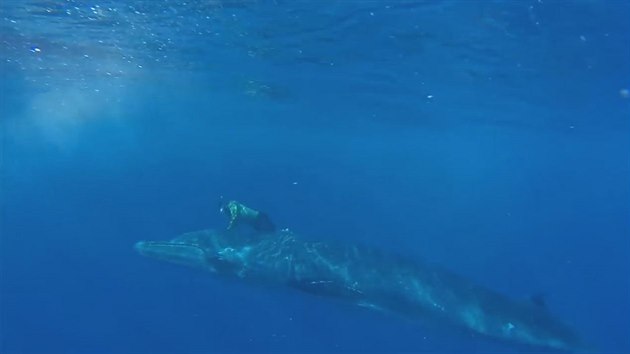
369,278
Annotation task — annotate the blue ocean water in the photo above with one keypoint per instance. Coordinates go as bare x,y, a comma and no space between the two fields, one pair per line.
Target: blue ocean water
492,138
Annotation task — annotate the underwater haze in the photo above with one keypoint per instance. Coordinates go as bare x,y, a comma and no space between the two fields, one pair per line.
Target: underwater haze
491,138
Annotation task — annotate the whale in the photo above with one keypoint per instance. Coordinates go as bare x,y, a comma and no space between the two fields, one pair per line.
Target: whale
367,277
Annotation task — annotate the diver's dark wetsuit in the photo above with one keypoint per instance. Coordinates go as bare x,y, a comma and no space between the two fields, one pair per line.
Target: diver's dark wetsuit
240,214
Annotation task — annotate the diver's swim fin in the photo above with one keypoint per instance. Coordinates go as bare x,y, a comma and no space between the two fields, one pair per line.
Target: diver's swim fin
262,223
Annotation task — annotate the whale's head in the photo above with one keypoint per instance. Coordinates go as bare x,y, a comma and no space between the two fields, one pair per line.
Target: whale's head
179,253
207,250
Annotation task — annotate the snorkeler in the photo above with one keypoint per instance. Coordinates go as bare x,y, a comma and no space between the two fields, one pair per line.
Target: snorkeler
239,214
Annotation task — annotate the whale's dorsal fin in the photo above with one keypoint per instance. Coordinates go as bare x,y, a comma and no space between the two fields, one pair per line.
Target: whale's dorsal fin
539,300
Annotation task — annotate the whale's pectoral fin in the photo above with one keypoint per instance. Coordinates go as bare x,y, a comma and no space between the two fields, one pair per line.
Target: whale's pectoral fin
222,265
326,287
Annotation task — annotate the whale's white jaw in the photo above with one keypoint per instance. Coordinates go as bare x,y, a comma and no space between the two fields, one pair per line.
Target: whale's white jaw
178,253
